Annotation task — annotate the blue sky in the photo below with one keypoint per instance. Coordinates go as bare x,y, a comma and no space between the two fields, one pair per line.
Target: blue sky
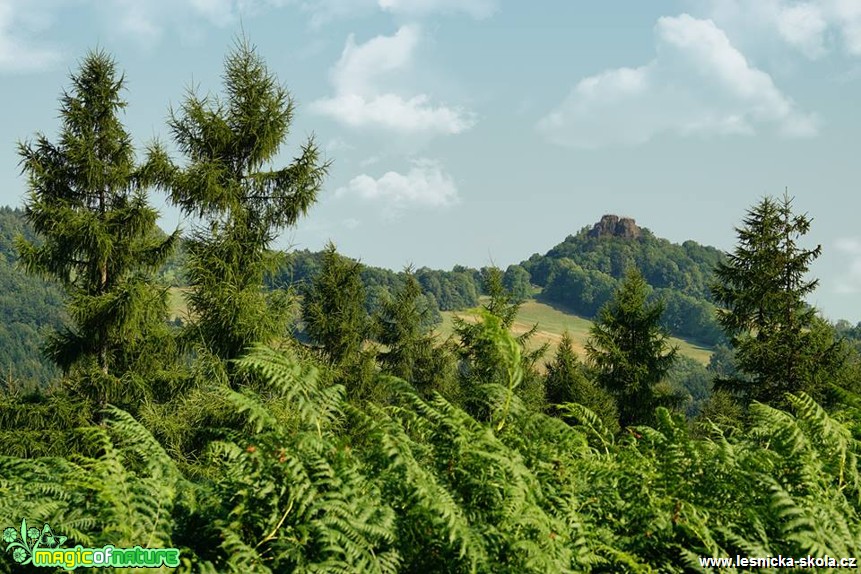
479,131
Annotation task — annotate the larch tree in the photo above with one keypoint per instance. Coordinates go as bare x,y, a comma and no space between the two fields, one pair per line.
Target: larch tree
780,344
229,144
97,234
630,351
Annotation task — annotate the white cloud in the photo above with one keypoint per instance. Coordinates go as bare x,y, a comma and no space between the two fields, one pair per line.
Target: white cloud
803,26
813,27
698,84
475,8
359,102
323,11
17,20
425,185
147,22
850,282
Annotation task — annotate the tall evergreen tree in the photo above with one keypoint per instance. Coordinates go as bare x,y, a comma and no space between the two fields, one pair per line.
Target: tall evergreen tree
631,352
333,308
98,233
229,144
566,381
780,345
401,324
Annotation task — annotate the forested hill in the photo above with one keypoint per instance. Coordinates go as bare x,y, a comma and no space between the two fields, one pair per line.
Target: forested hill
29,307
578,275
581,273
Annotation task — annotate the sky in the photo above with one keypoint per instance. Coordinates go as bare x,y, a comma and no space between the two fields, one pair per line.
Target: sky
479,132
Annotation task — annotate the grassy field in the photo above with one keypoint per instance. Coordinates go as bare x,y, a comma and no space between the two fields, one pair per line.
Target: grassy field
178,308
552,323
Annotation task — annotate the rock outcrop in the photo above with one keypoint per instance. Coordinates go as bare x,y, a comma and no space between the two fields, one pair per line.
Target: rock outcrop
615,226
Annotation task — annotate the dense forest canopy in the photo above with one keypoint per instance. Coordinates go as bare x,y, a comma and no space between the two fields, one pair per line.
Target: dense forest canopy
29,305
304,417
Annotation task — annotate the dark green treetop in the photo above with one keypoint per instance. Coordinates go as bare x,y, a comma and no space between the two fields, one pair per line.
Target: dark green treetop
780,344
631,352
229,143
402,325
567,381
333,308
481,361
99,238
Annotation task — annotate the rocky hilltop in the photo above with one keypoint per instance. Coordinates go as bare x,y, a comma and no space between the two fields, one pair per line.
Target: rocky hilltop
615,226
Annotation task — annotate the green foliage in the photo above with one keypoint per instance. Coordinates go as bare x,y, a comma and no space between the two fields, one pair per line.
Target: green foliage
99,237
287,459
302,480
516,281
452,290
582,273
401,325
780,344
567,381
480,360
332,310
630,351
29,308
692,381
228,143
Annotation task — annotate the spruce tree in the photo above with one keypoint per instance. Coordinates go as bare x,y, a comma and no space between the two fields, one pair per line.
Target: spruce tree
333,308
401,325
98,234
229,143
566,381
630,351
480,359
780,344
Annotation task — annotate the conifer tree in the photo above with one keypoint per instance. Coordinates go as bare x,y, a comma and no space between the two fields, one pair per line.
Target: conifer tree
481,362
780,344
401,325
99,237
566,381
333,309
631,352
229,144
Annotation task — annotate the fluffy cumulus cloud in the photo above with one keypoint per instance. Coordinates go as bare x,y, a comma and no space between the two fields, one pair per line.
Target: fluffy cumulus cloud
850,282
813,27
698,84
19,19
425,185
359,102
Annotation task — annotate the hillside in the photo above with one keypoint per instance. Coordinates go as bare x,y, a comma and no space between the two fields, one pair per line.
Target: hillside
580,274
552,323
572,280
29,308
